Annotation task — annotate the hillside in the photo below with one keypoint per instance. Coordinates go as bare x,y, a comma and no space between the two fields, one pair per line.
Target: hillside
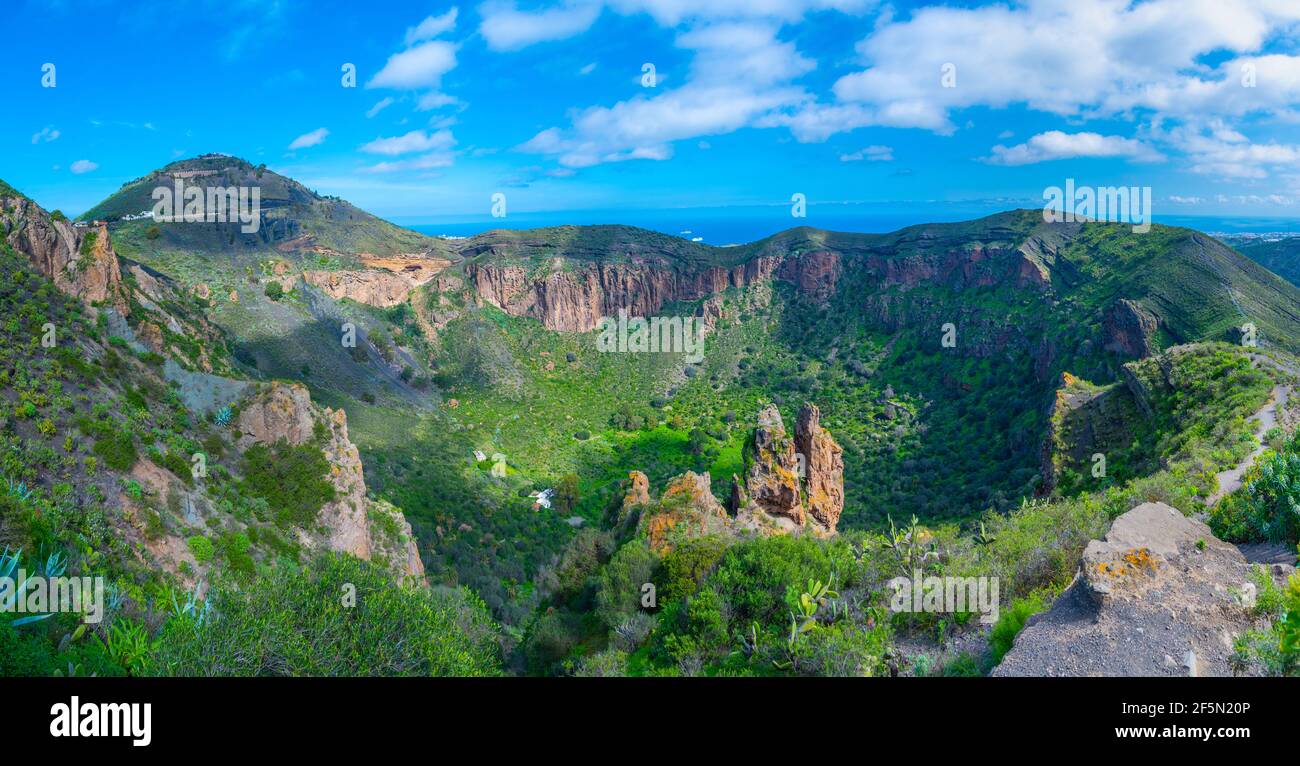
137,451
920,367
294,219
1280,255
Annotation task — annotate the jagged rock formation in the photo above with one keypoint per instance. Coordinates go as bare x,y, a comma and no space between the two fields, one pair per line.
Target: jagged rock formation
824,484
638,490
1159,596
791,483
285,411
79,260
686,508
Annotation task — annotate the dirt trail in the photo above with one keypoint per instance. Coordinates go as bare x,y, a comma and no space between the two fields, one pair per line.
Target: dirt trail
1268,417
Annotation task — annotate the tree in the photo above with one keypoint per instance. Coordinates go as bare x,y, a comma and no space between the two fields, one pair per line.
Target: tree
566,493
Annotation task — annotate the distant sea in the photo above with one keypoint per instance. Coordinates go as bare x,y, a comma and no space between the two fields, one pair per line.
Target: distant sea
738,225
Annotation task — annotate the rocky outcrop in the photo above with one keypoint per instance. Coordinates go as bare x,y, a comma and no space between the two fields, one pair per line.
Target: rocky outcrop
1129,329
381,289
791,484
686,509
824,468
772,479
638,490
79,260
1159,596
283,411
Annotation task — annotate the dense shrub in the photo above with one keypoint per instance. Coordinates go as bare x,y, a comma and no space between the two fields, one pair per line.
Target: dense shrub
339,616
292,479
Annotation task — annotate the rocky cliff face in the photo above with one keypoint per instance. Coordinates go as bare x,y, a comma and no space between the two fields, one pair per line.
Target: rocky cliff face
373,288
285,411
1129,329
79,260
574,297
1159,596
791,484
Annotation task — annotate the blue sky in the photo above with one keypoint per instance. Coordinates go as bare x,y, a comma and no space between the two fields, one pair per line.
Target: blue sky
753,100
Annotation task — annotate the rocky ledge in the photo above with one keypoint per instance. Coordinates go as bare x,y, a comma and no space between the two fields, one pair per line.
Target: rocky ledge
1159,596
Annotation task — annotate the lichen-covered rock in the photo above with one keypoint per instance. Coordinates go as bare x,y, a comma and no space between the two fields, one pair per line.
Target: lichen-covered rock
792,483
686,508
1157,589
772,480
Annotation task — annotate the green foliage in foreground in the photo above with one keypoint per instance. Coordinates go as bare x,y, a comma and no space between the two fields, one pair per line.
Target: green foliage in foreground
340,616
1268,505
1011,622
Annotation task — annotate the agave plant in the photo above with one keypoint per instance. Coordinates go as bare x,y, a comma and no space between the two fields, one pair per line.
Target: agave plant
224,416
11,563
18,489
194,608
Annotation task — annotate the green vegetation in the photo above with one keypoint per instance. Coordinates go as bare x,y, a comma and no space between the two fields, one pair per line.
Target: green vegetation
339,616
292,479
1268,505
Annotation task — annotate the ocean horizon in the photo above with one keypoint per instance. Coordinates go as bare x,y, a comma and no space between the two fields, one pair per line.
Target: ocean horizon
722,226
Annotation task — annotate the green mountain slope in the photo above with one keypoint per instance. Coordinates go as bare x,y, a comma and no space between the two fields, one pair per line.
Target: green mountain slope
294,218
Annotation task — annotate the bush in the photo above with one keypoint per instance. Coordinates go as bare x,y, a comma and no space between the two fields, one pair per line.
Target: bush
291,479
117,450
274,290
1011,622
201,548
339,616
1268,506
619,583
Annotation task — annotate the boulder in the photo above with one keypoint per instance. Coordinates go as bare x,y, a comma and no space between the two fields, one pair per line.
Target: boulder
1158,596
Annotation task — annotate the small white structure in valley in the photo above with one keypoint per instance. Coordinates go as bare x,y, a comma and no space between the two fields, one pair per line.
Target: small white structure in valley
542,499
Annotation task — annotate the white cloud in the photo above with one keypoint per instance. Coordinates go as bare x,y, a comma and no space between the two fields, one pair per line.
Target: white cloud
1078,60
1057,145
874,153
415,141
435,100
83,166
46,135
420,67
425,162
588,69
307,140
740,73
432,27
505,27
379,106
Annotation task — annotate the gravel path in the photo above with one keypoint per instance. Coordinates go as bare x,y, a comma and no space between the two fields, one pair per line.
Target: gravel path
1268,417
